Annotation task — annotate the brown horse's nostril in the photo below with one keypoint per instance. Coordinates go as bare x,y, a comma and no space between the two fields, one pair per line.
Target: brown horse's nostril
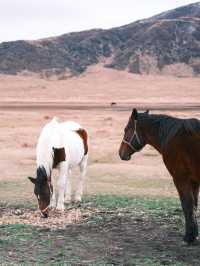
124,157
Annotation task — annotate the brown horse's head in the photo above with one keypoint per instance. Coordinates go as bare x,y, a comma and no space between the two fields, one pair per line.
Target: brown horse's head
132,140
43,190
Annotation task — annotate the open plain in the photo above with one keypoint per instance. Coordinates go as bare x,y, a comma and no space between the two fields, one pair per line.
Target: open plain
130,213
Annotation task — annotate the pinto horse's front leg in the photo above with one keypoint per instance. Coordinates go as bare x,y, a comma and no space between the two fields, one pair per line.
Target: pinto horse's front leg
53,201
189,204
61,185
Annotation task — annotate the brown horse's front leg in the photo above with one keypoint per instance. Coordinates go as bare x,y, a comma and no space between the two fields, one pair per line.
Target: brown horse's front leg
188,203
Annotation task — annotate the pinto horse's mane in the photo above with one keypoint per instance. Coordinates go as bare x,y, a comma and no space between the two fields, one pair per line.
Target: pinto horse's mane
169,126
44,147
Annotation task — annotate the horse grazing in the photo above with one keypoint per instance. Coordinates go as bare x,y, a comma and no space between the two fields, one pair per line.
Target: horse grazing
62,146
178,141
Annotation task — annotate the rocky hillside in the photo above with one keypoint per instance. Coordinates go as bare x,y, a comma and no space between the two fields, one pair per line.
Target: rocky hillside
166,43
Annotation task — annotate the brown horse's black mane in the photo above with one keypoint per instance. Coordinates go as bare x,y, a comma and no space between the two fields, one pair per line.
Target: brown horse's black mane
169,126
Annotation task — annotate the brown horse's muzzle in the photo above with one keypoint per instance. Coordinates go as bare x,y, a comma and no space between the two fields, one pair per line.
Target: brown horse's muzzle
125,152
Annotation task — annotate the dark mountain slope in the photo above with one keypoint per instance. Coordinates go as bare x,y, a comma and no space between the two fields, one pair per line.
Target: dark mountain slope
146,46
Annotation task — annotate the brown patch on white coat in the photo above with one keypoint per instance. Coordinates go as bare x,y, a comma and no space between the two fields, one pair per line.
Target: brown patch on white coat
59,156
59,153
83,134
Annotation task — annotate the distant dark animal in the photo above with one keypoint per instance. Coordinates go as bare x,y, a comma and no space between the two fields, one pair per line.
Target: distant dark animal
62,146
178,141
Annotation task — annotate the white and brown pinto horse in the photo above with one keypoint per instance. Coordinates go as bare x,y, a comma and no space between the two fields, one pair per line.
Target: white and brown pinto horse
62,146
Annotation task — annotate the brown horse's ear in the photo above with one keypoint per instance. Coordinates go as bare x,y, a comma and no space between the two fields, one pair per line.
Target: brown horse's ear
147,112
32,179
134,114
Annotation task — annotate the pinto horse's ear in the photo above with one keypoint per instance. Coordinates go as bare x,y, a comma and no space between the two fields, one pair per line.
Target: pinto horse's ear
32,179
134,114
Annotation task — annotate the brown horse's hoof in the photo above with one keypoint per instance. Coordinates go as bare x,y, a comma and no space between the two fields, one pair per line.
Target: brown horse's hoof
191,240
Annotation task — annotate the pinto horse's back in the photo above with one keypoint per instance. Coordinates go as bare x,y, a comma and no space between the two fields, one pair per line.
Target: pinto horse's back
74,138
70,125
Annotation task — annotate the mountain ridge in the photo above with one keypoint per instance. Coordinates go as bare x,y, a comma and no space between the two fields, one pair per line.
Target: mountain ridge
167,43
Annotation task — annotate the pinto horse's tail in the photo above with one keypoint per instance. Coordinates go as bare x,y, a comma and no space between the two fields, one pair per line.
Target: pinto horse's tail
55,120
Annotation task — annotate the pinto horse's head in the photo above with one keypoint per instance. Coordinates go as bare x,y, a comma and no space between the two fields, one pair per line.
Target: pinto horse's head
132,140
42,190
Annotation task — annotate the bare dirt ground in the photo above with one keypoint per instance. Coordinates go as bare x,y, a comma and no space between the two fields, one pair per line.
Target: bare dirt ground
28,103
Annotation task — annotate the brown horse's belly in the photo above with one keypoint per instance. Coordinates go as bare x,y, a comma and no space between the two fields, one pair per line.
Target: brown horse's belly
182,158
193,157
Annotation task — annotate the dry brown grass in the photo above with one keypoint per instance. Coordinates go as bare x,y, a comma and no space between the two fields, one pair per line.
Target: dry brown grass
19,129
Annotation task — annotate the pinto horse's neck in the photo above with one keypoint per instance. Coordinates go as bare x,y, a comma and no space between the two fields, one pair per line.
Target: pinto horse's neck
43,173
150,131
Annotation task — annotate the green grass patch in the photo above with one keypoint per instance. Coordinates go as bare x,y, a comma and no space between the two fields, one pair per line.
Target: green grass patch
134,207
151,205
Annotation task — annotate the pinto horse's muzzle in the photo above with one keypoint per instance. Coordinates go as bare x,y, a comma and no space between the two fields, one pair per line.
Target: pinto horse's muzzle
43,210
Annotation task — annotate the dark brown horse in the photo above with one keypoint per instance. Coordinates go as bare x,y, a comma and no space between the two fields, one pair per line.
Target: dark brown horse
178,141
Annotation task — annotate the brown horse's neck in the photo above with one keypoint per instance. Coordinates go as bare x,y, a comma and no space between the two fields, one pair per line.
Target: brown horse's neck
150,132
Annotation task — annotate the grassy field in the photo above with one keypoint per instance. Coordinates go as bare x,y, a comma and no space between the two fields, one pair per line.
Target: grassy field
120,230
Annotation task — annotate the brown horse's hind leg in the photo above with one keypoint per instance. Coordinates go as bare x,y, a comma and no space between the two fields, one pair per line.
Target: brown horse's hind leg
195,189
189,203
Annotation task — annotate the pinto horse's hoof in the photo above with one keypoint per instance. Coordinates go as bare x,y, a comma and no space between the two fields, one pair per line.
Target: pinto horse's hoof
77,204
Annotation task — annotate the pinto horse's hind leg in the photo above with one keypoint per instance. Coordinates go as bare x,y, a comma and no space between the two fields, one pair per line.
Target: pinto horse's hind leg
79,190
68,188
189,203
